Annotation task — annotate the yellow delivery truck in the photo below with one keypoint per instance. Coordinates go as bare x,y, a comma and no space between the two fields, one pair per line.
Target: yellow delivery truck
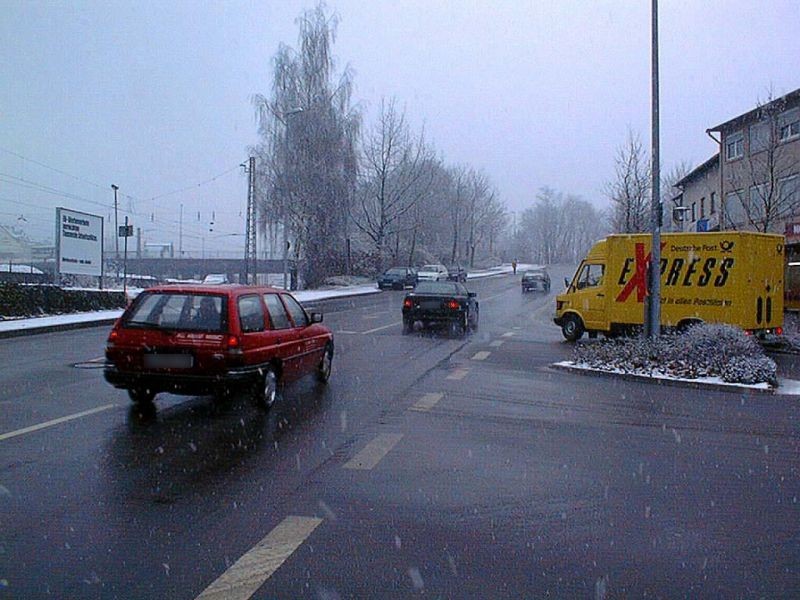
722,277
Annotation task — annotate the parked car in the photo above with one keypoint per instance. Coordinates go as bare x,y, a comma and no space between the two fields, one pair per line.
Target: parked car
216,279
432,273
441,302
198,339
398,278
457,273
536,280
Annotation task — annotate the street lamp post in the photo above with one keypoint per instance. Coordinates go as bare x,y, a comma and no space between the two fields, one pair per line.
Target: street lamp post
116,229
653,307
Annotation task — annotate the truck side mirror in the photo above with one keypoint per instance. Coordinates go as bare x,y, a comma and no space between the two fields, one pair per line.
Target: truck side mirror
566,282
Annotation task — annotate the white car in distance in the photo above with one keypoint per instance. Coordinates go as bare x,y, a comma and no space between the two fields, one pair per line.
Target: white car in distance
432,273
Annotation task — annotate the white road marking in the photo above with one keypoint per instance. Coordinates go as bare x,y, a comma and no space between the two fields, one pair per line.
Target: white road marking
517,327
458,374
482,355
346,331
496,343
46,424
373,452
509,334
395,324
493,297
249,573
427,402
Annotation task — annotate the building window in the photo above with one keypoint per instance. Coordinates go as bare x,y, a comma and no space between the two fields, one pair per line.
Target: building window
734,210
789,124
713,199
734,146
789,193
759,136
694,212
702,208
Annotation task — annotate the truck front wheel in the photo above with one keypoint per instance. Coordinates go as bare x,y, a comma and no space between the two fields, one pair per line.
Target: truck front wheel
572,328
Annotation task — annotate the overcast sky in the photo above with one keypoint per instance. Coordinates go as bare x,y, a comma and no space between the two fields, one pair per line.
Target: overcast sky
155,96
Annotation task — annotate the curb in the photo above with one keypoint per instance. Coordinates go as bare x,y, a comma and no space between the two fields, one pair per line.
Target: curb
667,382
53,328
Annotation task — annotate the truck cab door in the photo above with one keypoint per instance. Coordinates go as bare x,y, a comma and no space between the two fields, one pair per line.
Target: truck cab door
590,295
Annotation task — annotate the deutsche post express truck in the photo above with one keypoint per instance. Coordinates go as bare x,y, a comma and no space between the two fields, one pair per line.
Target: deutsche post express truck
721,277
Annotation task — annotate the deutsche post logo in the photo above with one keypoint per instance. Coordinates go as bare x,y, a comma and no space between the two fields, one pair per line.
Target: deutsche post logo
726,246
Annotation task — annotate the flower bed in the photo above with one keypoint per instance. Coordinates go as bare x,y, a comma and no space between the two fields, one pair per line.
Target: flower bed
702,351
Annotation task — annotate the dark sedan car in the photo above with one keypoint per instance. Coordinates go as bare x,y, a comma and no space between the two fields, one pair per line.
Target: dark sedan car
441,302
457,273
398,278
536,280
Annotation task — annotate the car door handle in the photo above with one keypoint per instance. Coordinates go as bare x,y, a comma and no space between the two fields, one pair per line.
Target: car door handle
601,295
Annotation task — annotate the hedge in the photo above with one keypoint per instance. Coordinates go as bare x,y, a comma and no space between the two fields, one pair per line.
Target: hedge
18,300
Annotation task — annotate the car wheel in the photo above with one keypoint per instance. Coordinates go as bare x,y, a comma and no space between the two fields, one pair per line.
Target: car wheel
475,320
141,395
266,389
325,365
408,326
572,328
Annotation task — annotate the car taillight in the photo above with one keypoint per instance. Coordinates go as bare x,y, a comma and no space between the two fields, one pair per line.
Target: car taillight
408,303
232,342
113,336
748,332
453,304
779,331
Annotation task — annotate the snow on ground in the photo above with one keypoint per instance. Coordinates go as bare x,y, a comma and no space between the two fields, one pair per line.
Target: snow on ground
356,290
710,380
36,322
12,268
788,387
502,269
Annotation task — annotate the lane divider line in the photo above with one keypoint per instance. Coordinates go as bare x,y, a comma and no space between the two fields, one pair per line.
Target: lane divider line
497,343
395,324
427,402
54,422
482,355
458,374
509,334
255,566
371,454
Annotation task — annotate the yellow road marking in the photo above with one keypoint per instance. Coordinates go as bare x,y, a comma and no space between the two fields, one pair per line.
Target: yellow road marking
373,452
249,573
496,343
427,402
482,355
458,374
58,421
382,327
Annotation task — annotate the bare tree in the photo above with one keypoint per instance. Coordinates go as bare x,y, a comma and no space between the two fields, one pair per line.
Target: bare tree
395,176
629,192
669,192
308,154
765,195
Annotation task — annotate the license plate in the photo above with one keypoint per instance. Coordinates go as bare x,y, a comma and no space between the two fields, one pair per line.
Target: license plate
168,361
430,305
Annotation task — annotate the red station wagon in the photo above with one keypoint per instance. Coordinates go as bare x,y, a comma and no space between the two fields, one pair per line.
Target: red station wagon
199,339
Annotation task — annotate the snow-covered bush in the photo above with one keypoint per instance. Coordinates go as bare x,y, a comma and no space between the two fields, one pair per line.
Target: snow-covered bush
702,351
749,369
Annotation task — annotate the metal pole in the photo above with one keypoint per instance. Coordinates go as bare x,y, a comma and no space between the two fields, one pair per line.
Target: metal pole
285,253
653,324
116,228
180,234
125,263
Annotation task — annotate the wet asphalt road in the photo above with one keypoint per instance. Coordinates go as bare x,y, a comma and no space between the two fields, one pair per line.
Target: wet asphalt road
428,466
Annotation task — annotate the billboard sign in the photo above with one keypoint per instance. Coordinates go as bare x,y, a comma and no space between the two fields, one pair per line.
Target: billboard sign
79,243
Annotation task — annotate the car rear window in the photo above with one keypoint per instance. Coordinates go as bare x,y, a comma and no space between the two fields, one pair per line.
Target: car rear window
182,311
436,287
